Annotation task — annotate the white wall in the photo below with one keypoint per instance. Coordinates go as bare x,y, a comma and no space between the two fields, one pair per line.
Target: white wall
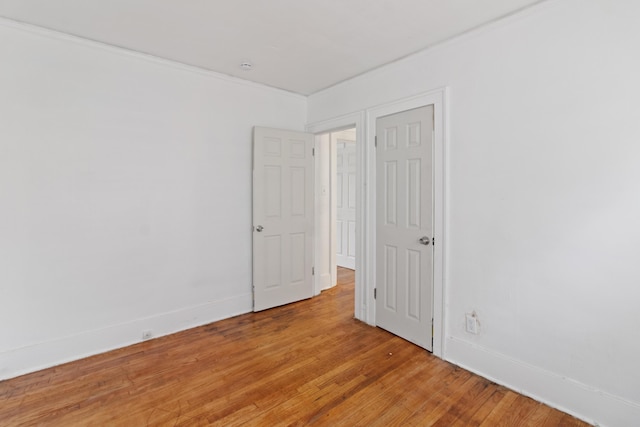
543,197
125,195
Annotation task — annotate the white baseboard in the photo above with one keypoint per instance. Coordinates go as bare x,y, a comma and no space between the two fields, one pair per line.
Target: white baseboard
43,355
587,403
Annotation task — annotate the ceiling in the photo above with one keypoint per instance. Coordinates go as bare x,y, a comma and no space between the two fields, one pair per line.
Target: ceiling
301,46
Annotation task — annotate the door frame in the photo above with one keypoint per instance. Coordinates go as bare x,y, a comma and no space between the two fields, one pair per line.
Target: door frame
365,123
348,121
437,98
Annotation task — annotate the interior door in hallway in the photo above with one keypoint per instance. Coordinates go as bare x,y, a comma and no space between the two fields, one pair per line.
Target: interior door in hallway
404,225
283,200
346,204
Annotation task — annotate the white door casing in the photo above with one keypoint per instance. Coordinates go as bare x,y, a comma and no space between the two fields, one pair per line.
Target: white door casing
404,225
346,204
356,121
283,217
364,122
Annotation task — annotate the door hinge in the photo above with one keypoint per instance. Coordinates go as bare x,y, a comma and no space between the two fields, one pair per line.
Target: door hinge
433,241
313,271
313,151
375,293
433,332
375,141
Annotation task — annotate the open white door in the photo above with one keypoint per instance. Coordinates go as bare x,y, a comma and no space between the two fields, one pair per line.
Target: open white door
346,204
283,201
404,229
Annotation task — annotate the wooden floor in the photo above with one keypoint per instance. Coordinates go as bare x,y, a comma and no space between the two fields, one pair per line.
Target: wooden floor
308,363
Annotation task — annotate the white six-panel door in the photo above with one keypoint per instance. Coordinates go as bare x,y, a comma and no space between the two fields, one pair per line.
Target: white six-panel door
346,204
283,201
404,225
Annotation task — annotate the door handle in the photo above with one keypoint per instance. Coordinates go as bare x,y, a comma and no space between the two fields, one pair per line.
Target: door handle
425,240
259,228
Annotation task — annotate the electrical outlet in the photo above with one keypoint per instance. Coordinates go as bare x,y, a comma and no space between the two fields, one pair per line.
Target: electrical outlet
147,335
472,323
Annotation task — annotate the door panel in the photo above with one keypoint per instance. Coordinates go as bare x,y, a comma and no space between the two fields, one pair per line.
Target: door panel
404,279
346,203
390,290
282,217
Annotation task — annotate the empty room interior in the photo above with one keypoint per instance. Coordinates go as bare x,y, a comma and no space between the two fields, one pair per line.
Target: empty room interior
337,213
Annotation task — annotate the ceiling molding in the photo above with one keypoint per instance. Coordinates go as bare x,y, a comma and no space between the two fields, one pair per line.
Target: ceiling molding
59,35
299,47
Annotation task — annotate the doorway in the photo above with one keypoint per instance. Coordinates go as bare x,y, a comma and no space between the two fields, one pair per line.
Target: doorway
365,123
336,205
404,228
343,144
438,99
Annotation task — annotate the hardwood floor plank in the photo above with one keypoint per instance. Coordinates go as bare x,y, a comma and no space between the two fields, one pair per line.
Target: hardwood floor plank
500,409
539,417
519,412
383,397
487,407
460,410
428,413
308,363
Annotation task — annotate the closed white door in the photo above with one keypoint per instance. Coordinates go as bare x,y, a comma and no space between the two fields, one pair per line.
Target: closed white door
283,201
346,204
404,225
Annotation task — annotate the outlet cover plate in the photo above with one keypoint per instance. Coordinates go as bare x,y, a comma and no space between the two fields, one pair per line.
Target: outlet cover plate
472,323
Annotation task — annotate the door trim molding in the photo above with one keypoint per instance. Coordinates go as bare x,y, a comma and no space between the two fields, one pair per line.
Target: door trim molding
439,99
356,120
365,122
